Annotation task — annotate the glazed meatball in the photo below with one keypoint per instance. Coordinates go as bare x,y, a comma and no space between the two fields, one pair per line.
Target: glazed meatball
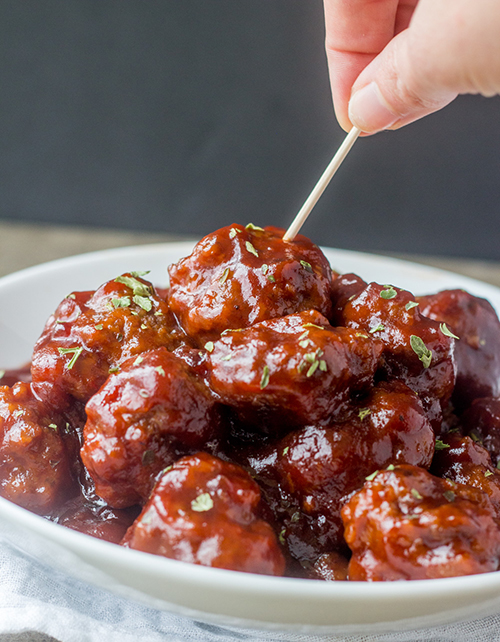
96,519
238,276
205,511
466,462
317,468
406,524
144,418
292,371
92,333
477,353
34,467
482,421
415,348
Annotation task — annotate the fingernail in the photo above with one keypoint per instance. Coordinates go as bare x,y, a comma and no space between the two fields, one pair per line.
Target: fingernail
368,110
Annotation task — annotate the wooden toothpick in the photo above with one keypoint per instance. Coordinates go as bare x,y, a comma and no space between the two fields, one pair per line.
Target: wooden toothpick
321,185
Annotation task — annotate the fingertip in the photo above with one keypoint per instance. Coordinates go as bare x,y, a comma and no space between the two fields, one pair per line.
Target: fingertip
369,111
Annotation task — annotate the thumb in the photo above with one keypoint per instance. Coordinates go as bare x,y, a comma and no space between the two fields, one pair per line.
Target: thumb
398,87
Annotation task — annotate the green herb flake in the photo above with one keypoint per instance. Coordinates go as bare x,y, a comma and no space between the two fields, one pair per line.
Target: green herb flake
233,231
449,495
264,268
416,494
148,457
144,326
228,357
447,332
364,412
71,296
440,445
98,326
388,292
488,473
138,360
271,278
122,302
295,517
313,325
498,464
265,377
209,346
281,536
312,369
285,450
143,302
372,476
307,266
53,426
202,503
421,350
377,328
2,374
158,313
305,343
165,470
390,467
322,365
224,276
475,438
160,370
410,305
113,369
251,249
364,336
76,352
17,413
136,286
253,227
138,273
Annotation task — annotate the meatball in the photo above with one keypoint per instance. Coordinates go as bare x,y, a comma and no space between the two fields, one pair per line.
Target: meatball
92,333
477,353
317,468
34,467
482,421
406,524
205,511
144,418
238,276
416,350
292,371
466,462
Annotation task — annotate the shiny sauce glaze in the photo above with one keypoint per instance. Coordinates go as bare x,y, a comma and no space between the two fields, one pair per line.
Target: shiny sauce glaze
265,414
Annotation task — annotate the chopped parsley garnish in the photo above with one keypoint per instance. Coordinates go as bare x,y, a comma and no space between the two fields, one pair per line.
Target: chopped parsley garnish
285,450
264,268
488,473
256,228
447,332
160,370
71,296
440,445
322,365
143,302
312,368
202,503
388,292
122,302
265,377
98,326
390,467
416,494
313,325
209,346
377,328
113,369
498,464
135,285
148,457
410,305
305,343
224,276
138,360
271,278
251,249
54,427
449,495
307,266
76,352
364,412
227,357
2,373
372,476
233,231
421,350
281,536
140,272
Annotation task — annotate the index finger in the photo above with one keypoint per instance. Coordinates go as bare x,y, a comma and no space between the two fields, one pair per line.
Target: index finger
356,31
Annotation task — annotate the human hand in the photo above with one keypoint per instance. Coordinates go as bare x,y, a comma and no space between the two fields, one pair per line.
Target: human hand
394,61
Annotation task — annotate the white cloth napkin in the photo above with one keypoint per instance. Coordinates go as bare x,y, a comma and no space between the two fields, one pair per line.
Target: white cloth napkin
36,597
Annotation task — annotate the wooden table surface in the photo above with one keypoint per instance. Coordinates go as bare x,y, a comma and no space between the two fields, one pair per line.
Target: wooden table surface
23,245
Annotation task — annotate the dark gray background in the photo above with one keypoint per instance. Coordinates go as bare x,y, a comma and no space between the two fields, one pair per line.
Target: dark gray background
186,115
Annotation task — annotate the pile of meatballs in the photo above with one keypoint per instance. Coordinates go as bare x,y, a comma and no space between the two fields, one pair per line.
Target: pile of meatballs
265,414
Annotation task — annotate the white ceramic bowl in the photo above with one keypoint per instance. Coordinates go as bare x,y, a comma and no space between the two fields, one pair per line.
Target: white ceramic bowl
27,298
